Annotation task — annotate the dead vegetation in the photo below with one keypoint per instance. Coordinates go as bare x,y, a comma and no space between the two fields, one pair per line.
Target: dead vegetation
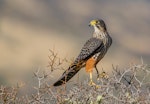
124,86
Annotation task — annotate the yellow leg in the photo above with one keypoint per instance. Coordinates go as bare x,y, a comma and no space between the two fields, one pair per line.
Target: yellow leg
91,81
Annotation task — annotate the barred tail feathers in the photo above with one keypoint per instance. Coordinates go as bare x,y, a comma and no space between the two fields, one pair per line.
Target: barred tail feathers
67,75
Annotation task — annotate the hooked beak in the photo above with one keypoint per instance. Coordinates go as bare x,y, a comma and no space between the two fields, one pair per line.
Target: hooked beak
92,23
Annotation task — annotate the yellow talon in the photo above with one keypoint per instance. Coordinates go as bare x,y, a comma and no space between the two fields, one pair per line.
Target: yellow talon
103,75
92,83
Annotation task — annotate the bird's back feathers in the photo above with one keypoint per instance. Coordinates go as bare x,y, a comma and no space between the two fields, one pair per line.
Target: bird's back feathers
90,48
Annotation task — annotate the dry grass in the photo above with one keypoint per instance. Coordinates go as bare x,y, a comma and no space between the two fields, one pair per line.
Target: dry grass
125,86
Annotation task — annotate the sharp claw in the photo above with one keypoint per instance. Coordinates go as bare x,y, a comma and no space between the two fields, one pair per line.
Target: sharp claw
92,83
103,75
97,86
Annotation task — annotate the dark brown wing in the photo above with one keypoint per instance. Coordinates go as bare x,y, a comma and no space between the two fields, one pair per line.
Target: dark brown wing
90,48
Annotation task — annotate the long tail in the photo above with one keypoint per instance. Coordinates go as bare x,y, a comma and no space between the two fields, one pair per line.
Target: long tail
68,74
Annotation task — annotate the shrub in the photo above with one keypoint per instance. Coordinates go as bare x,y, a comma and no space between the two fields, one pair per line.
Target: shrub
124,86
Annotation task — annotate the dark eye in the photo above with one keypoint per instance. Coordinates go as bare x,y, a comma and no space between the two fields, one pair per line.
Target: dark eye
97,22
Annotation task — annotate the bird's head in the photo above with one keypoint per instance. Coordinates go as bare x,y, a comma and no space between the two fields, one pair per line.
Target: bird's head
98,24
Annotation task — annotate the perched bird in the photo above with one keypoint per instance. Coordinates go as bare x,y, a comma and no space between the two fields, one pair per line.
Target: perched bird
91,53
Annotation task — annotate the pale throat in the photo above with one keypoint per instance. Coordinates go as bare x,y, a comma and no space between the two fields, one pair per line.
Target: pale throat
99,33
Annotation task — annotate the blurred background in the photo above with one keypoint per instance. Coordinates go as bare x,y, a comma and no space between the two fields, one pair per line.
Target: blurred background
29,28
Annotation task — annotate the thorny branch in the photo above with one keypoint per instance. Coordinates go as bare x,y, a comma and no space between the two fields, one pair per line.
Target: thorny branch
128,86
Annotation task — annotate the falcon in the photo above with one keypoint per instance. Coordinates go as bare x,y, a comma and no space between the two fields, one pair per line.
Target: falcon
91,53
